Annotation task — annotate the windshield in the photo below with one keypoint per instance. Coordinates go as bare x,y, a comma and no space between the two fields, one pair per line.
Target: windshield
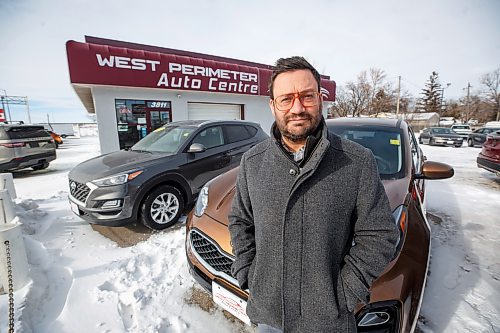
385,144
167,139
442,131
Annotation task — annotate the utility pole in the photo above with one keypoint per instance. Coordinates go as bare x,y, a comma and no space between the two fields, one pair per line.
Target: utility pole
28,109
468,102
6,100
399,94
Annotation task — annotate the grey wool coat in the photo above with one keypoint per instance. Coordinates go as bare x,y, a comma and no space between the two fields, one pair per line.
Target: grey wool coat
310,240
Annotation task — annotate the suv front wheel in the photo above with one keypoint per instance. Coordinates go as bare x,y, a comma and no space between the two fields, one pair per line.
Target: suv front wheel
162,207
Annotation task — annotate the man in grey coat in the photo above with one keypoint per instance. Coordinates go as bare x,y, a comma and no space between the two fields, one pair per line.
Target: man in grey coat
311,226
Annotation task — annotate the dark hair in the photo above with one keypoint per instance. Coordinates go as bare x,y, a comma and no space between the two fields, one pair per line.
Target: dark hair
292,64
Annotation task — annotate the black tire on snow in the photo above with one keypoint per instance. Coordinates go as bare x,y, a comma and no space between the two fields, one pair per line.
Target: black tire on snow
161,207
45,165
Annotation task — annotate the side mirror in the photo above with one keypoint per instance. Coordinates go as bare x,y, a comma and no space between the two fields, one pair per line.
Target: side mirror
196,148
435,170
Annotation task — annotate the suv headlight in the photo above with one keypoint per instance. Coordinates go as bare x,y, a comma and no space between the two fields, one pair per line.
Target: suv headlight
119,179
201,202
400,215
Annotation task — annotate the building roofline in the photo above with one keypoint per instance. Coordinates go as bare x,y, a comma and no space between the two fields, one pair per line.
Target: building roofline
151,48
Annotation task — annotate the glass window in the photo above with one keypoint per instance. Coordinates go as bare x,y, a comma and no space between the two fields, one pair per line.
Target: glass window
211,137
167,139
415,151
252,130
385,145
237,133
136,118
441,130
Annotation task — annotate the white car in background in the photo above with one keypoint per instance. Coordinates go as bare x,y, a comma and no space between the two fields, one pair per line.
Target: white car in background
462,130
446,121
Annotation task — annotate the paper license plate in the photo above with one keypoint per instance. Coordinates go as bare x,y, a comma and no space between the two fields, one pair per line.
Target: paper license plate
75,209
450,142
230,302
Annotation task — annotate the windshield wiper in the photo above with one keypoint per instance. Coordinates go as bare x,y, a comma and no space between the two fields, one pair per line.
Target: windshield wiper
141,151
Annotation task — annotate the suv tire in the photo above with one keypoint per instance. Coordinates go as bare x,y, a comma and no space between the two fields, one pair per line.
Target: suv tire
162,207
42,166
470,143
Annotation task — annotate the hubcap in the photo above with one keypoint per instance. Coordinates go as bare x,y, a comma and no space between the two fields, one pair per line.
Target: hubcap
164,208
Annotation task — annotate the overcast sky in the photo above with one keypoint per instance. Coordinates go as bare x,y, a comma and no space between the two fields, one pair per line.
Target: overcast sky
460,39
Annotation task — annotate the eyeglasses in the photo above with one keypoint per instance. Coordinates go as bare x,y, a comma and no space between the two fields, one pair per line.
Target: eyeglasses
306,98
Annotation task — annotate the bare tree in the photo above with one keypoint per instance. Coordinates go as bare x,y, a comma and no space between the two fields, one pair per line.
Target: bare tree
377,77
492,82
342,106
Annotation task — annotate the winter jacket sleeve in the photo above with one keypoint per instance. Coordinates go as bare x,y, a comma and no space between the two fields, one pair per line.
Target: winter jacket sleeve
241,228
375,236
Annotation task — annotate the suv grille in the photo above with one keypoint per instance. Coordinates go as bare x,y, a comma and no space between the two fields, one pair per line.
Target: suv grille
79,191
210,253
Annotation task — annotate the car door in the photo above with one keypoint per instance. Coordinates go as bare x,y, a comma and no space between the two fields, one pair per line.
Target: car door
478,136
424,136
202,166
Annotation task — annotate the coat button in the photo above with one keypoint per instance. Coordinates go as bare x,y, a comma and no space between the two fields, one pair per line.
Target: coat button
293,172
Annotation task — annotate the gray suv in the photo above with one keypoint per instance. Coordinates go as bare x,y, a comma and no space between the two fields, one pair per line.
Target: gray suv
25,146
158,178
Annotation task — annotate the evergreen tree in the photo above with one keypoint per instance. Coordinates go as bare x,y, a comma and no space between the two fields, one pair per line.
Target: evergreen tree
432,94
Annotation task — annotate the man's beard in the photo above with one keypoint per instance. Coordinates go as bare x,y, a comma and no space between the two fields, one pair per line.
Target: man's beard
303,132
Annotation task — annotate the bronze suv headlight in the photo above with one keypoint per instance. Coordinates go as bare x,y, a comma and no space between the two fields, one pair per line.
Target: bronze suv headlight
400,215
380,317
201,202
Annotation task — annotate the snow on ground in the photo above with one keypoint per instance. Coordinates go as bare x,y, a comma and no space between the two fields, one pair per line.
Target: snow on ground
463,288
83,282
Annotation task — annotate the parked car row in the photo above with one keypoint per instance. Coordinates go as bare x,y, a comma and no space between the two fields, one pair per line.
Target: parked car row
487,137
396,295
25,146
455,135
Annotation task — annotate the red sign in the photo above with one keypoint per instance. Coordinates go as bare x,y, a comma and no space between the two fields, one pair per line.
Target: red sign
119,66
2,115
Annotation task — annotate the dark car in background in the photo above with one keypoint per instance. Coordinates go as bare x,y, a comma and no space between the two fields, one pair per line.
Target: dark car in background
489,157
441,136
396,296
159,177
478,137
25,146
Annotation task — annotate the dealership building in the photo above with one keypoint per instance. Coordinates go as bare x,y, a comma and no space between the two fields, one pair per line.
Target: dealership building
134,89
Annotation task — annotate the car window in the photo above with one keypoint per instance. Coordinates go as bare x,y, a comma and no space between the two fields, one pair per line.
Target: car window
461,127
442,131
237,133
252,130
415,151
23,132
210,137
386,146
481,130
166,139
